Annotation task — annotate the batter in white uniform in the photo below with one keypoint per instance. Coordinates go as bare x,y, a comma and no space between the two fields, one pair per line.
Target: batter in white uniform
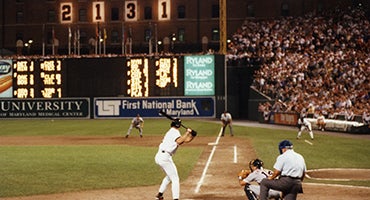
163,158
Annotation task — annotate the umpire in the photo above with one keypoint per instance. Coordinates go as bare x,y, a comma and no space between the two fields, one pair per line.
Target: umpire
226,119
291,168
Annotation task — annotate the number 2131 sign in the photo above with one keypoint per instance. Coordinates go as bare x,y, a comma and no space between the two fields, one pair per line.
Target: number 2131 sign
98,11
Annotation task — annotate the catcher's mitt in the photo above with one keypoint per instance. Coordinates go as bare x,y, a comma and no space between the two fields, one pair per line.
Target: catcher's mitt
243,174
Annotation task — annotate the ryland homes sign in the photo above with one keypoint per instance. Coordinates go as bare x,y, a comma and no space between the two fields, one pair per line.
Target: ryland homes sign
199,76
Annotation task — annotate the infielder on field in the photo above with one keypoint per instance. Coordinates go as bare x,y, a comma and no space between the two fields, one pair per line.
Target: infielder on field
138,123
303,124
171,141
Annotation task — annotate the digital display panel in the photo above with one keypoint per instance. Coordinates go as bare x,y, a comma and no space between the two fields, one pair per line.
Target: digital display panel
138,77
51,77
109,77
37,79
161,76
24,79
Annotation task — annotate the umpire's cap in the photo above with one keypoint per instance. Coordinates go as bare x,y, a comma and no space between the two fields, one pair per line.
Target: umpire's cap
285,144
176,123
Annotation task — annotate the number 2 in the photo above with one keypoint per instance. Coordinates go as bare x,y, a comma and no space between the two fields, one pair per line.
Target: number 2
65,13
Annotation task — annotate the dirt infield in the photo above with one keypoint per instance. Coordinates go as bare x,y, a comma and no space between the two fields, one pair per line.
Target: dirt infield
220,182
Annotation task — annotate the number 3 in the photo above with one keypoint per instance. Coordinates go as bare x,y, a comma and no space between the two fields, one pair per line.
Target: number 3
130,11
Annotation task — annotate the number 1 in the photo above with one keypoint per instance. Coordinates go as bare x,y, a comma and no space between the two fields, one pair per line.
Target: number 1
164,13
98,11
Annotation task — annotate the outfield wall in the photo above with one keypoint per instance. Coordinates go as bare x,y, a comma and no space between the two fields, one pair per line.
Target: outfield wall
176,77
107,107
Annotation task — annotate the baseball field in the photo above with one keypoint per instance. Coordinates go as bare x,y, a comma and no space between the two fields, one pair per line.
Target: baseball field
91,159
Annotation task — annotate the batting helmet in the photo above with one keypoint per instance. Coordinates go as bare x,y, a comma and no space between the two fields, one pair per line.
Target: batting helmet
256,162
176,123
285,144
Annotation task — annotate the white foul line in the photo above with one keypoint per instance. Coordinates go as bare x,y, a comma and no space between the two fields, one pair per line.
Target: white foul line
205,170
200,182
235,154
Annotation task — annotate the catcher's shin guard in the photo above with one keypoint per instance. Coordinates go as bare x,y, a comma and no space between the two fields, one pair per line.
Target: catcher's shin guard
250,194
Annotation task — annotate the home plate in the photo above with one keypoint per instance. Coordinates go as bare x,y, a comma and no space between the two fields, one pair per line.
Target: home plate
308,142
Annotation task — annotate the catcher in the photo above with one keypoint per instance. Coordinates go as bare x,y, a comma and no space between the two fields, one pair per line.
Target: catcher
138,123
255,174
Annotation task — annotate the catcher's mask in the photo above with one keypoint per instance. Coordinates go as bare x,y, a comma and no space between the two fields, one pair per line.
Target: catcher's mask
285,144
257,163
176,123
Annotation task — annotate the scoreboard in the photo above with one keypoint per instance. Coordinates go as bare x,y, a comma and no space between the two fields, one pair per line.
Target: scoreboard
154,77
111,77
37,79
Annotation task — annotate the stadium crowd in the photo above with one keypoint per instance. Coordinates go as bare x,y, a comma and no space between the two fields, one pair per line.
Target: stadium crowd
316,63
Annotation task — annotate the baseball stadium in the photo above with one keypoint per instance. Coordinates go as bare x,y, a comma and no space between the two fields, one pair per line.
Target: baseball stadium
190,100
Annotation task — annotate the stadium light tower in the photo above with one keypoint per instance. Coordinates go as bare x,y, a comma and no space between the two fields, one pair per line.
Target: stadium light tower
223,36
223,27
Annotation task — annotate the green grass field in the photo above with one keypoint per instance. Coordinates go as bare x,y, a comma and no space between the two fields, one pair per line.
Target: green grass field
28,170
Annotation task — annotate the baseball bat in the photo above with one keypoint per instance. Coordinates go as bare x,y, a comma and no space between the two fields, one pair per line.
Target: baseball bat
161,112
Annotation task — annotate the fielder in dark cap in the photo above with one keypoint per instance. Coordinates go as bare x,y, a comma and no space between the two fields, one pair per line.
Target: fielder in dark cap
291,168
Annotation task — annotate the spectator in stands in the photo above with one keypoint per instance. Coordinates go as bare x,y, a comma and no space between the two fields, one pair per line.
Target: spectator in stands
324,58
366,117
349,115
320,121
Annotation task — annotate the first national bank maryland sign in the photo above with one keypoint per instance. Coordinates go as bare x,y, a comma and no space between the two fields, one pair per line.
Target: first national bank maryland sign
150,107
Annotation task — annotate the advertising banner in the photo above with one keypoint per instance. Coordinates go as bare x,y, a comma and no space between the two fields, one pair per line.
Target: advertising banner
150,107
286,118
45,108
199,75
6,82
